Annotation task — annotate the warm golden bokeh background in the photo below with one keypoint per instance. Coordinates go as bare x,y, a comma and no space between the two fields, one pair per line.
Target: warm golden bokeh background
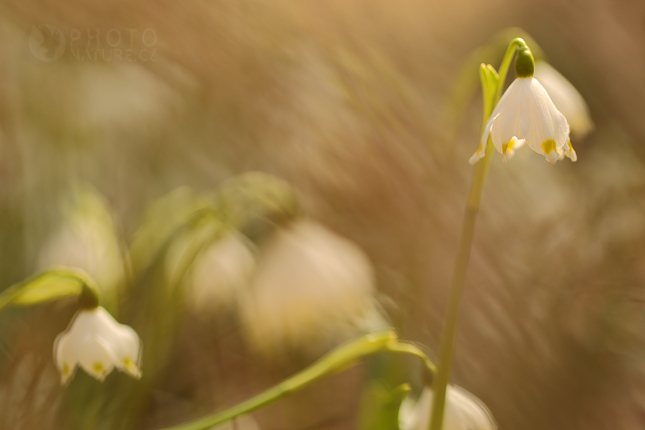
344,100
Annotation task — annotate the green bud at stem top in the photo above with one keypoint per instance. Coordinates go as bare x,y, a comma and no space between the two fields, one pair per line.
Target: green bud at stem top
524,62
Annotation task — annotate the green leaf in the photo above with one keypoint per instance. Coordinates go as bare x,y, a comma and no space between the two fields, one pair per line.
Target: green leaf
54,284
335,361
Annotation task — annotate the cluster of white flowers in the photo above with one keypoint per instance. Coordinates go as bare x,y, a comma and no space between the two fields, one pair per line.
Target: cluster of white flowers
97,343
305,287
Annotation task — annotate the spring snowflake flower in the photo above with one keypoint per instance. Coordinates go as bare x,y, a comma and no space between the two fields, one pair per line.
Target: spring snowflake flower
98,344
463,411
88,240
312,290
526,114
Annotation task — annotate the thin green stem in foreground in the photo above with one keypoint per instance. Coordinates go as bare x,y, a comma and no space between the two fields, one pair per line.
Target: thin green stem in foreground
492,90
336,361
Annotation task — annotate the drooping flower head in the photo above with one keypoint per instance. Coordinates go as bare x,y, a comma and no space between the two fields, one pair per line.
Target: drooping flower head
526,114
97,343
87,239
312,290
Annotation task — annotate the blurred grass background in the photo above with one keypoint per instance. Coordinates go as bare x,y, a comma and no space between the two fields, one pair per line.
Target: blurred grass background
345,101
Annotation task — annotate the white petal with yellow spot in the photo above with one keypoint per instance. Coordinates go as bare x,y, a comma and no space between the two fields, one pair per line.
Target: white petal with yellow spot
97,343
526,114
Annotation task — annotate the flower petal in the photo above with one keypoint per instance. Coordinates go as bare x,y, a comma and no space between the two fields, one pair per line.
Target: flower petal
96,358
570,152
508,149
127,351
65,356
548,122
479,154
481,151
508,124
565,97
463,411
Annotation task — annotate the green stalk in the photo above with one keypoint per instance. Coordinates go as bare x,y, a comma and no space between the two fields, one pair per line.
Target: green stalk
492,92
336,361
503,68
333,362
408,348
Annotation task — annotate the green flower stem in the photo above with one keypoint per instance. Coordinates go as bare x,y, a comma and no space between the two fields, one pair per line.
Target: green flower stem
465,83
336,361
408,348
492,90
517,43
53,284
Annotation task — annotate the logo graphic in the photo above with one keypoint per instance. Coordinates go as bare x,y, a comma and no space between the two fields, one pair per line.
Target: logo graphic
46,42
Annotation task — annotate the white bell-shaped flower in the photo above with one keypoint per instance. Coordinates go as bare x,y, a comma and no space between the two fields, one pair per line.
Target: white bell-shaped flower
463,411
312,290
526,114
98,344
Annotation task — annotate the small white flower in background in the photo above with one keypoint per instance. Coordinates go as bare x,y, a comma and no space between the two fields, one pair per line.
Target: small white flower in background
463,411
97,343
526,114
220,274
565,97
87,239
312,290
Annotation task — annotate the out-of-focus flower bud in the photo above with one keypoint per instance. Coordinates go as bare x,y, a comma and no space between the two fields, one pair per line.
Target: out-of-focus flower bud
220,274
87,239
311,291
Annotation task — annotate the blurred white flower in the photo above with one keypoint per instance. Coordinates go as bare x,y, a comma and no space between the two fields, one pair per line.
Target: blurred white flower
220,274
96,342
87,239
463,411
312,290
565,98
526,114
